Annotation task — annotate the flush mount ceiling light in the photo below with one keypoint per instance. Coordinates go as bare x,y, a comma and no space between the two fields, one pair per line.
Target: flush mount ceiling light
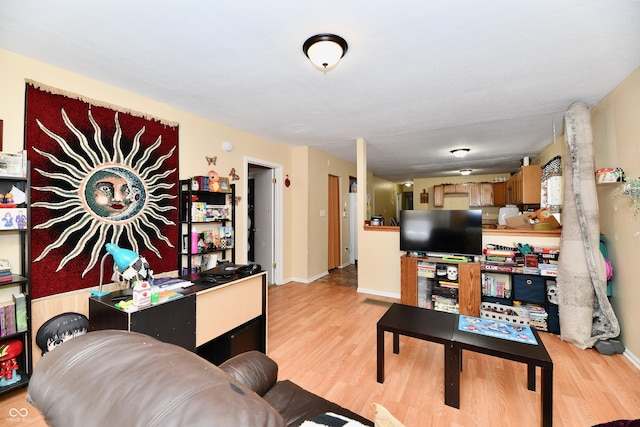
408,184
465,172
460,152
325,50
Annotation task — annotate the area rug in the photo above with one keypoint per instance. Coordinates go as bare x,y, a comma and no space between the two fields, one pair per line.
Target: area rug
585,312
99,174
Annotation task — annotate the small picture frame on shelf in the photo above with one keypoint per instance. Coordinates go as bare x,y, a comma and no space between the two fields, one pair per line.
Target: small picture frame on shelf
224,185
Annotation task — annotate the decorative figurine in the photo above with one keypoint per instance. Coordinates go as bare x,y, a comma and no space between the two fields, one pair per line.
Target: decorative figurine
9,350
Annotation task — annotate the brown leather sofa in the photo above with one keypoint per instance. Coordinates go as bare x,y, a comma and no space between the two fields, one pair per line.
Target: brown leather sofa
118,378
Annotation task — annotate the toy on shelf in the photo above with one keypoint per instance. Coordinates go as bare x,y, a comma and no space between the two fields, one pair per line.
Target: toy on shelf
9,351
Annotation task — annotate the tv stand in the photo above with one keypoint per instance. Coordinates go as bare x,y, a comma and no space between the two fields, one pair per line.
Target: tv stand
468,282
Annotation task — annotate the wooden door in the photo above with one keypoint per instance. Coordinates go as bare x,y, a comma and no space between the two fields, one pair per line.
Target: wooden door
334,223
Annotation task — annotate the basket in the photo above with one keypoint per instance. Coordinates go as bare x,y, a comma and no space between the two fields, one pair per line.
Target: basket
504,313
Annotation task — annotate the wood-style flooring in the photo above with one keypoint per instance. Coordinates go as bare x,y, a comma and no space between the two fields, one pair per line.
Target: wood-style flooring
323,338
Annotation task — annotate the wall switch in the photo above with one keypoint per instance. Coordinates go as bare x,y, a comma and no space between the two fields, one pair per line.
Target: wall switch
322,212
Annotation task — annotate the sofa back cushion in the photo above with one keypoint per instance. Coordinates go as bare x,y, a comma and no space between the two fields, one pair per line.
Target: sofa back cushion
118,378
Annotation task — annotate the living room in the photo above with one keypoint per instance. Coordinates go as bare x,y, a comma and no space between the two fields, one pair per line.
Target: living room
616,132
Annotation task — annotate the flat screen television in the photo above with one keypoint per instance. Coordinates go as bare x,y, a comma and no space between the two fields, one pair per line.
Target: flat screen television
448,232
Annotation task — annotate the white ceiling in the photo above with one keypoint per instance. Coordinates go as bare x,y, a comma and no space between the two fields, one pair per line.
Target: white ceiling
420,77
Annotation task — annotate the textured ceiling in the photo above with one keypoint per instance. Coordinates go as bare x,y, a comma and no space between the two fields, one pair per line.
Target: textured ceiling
420,77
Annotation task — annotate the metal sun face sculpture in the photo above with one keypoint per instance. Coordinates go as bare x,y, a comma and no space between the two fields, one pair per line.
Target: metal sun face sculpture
110,192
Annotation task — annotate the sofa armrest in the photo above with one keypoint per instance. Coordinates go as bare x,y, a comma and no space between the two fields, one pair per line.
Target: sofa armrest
254,370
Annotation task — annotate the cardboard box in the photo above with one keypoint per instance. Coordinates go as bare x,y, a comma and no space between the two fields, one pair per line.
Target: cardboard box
522,222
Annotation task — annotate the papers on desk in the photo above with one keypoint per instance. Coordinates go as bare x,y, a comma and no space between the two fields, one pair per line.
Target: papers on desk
171,283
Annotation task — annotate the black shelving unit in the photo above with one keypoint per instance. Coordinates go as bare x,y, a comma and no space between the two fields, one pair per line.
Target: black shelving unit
188,197
20,279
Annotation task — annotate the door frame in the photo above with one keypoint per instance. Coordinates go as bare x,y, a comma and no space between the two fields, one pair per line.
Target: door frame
278,221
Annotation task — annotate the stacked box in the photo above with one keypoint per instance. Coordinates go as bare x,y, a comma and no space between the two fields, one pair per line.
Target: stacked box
504,313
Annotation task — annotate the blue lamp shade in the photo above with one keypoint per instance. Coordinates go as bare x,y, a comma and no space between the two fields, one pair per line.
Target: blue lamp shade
129,265
122,257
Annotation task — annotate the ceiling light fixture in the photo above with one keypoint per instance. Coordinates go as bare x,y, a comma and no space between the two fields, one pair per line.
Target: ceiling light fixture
408,184
465,172
325,50
460,152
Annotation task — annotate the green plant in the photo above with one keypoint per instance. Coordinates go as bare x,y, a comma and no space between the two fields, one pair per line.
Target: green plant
630,189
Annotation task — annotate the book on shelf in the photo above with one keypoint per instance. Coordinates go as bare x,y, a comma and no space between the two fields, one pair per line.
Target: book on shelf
20,303
9,317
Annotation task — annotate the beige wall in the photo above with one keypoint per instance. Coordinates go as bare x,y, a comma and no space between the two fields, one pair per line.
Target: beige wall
198,138
320,166
616,140
385,197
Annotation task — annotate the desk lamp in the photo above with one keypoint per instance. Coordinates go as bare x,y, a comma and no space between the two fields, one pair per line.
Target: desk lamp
127,263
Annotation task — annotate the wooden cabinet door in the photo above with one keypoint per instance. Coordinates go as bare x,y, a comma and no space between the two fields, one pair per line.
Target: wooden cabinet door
531,176
438,196
462,188
486,193
409,281
499,193
474,195
449,188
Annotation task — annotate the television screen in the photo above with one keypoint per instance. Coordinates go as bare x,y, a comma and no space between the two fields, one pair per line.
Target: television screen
455,232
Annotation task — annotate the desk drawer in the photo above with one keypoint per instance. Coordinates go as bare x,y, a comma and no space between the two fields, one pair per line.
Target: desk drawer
529,288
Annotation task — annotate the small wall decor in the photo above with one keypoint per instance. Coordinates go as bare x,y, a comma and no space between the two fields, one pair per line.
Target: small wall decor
238,198
211,160
424,196
287,182
224,184
234,176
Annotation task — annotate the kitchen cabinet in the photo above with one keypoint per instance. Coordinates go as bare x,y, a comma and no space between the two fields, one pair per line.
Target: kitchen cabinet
499,193
523,187
438,196
480,194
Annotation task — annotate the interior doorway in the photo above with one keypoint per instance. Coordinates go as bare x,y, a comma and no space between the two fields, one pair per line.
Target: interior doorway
334,259
264,217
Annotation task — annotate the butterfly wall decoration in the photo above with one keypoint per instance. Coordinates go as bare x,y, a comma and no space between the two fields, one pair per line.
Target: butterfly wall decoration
234,176
211,160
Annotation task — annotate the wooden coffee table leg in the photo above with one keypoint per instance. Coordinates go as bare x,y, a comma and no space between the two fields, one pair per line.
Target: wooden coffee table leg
396,343
380,354
547,396
531,376
452,358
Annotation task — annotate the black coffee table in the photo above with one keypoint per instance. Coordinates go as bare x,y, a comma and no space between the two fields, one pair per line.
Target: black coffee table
440,327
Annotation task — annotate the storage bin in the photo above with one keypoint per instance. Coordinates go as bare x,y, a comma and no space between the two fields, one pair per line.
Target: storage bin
504,313
529,288
553,321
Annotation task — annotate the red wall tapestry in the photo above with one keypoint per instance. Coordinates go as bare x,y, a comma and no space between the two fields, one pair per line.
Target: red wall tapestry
99,175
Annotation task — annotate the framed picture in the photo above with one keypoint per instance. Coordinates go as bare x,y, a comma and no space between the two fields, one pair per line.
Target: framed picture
224,184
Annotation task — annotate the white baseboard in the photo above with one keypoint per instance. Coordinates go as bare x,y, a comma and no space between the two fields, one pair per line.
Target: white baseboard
632,358
378,293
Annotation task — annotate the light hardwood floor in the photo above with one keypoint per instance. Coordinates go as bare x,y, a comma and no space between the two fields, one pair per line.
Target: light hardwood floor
323,337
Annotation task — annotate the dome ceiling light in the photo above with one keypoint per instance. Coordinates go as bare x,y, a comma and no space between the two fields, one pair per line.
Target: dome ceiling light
460,152
465,172
325,50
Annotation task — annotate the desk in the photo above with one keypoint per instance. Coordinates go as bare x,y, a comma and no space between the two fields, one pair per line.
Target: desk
214,321
440,327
